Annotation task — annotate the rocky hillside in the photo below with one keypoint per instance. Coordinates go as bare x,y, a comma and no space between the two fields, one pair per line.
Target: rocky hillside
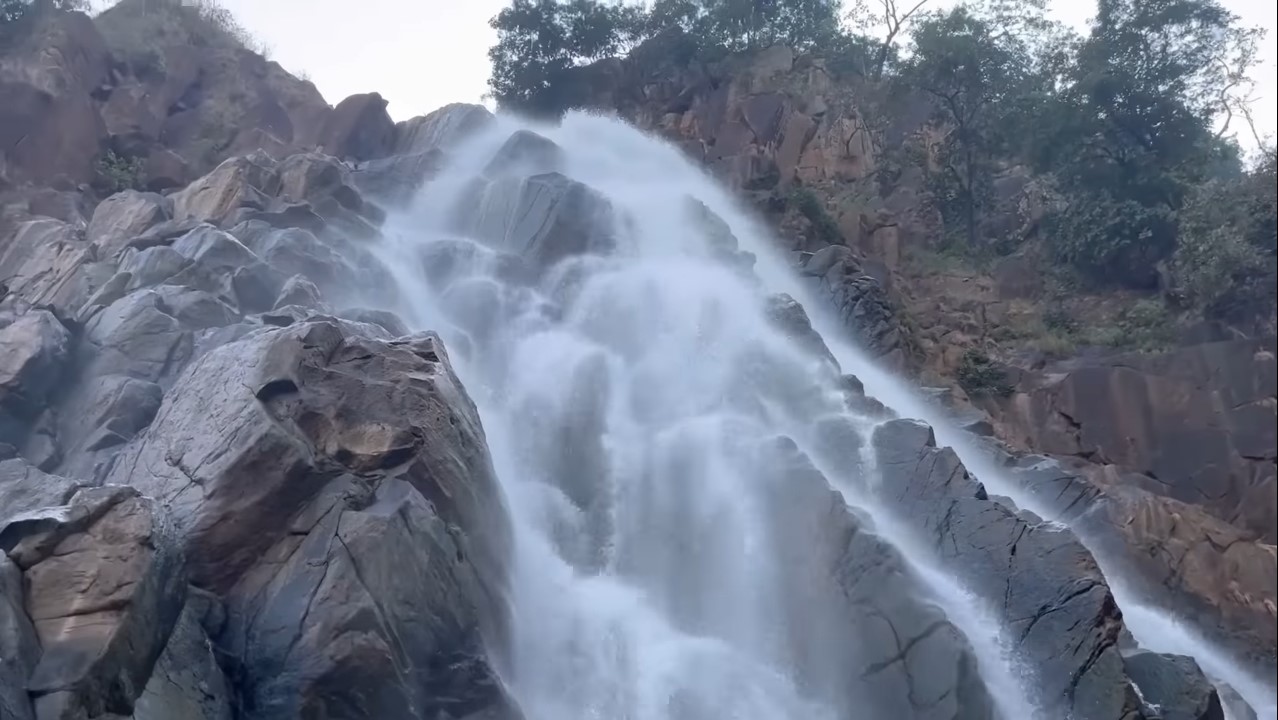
232,485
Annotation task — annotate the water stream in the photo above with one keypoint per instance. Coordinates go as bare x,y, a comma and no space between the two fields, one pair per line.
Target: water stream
633,403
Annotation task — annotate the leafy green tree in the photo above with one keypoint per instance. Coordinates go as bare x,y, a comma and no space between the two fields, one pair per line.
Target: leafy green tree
1132,130
977,72
538,41
1226,261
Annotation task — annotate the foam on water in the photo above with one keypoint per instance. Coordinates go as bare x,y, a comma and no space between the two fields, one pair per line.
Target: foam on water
626,401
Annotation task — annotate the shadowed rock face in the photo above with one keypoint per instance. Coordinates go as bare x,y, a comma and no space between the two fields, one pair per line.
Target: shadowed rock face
864,630
1174,686
1196,425
373,450
1039,579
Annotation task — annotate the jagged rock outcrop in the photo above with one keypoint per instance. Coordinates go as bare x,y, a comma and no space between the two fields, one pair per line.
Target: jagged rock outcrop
255,497
1195,424
1175,555
1038,578
34,350
866,634
372,449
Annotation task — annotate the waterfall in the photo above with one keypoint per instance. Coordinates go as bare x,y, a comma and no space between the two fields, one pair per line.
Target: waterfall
671,454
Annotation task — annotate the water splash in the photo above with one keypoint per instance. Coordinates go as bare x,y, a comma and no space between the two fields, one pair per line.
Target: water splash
634,405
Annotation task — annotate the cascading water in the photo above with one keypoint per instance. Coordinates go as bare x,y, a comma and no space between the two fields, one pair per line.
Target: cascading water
652,426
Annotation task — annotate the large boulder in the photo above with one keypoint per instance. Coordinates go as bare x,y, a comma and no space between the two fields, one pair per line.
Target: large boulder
329,487
34,352
544,218
1174,687
47,262
1041,582
123,217
249,181
104,583
359,129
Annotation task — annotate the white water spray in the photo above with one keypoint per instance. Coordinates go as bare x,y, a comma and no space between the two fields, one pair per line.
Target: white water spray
632,405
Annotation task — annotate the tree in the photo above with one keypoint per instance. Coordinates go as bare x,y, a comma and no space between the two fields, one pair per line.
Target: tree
977,71
1226,260
12,11
746,24
1133,130
893,19
538,41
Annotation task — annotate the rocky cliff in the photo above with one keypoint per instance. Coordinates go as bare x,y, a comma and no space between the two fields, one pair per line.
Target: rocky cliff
232,486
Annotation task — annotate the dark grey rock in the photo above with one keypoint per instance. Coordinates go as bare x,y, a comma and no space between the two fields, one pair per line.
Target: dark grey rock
34,351
325,484
1173,686
544,218
1040,580
19,646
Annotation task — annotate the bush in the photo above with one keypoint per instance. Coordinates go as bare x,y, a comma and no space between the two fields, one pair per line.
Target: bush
117,173
1147,325
1224,266
1058,319
978,375
810,206
1112,240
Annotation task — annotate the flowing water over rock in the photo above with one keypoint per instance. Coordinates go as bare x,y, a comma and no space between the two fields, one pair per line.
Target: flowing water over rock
712,522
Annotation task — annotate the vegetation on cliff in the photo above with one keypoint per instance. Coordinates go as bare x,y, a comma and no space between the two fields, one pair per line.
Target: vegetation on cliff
1127,129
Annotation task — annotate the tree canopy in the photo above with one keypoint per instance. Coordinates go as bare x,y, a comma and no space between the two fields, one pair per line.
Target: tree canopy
1129,125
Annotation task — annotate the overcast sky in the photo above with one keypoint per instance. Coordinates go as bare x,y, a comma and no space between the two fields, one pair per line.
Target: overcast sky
421,54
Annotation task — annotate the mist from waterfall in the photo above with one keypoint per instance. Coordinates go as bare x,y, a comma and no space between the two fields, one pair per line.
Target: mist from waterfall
638,405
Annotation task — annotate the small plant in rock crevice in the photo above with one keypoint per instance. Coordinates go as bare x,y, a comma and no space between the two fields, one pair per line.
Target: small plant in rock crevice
117,173
810,207
978,375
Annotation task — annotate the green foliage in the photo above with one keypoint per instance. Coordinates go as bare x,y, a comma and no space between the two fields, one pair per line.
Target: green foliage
979,375
1057,318
810,206
1131,130
540,41
16,14
117,173
1224,264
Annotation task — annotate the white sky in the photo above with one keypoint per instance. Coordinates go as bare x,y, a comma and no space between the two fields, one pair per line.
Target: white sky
422,54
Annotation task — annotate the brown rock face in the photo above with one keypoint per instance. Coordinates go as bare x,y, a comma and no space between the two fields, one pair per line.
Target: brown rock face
103,590
359,129
1196,423
50,128
319,475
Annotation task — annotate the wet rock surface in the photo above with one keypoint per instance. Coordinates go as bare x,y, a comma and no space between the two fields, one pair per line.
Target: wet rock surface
221,497
1042,582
